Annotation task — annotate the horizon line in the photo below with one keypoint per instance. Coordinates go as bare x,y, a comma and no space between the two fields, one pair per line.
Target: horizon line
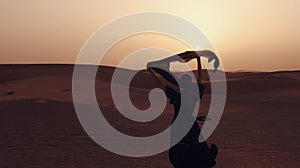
111,66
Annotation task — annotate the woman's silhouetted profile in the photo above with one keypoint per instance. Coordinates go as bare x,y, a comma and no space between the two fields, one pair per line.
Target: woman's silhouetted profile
188,152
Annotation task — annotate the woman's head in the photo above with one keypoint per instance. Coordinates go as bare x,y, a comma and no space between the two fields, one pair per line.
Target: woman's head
187,79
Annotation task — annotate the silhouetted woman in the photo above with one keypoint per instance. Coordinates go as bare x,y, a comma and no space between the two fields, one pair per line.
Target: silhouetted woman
188,152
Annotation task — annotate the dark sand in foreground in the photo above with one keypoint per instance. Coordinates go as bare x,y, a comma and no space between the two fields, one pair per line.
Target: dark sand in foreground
39,127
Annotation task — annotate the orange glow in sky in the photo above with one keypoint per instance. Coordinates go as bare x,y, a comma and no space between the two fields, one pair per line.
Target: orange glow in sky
248,35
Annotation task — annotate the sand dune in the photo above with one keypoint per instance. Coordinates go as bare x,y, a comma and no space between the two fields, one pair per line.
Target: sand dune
39,127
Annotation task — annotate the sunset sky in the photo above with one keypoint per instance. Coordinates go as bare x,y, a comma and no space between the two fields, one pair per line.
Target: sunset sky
260,35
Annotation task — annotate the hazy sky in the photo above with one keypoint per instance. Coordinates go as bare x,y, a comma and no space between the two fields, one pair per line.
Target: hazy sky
248,35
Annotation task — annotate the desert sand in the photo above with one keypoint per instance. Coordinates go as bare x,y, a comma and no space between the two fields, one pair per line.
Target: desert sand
39,127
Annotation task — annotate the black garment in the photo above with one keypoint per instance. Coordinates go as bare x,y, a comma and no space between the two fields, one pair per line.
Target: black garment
189,152
175,98
193,155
